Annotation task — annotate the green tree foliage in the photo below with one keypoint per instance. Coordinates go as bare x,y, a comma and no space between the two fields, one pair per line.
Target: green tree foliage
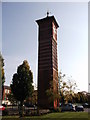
76,98
82,97
88,96
21,86
62,87
32,100
2,72
34,97
66,88
71,86
52,96
11,98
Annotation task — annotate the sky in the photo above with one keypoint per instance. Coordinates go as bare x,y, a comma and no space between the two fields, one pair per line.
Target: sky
45,0
20,38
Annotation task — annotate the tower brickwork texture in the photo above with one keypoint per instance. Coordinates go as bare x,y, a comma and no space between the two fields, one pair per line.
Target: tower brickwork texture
47,60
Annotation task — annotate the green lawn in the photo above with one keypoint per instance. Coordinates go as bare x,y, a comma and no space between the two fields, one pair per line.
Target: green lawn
54,116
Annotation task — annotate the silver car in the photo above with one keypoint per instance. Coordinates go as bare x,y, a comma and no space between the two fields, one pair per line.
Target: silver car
67,107
79,108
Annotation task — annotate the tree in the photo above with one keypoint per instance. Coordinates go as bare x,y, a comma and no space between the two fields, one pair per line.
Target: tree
2,72
52,96
21,85
11,98
82,97
71,87
88,96
66,88
34,97
76,98
62,87
32,100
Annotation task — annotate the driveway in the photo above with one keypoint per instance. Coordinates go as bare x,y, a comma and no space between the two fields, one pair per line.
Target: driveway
87,110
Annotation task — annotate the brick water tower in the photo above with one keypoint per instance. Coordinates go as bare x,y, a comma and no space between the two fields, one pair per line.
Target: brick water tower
47,60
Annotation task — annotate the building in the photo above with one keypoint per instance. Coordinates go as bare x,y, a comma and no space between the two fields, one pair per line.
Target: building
7,90
47,59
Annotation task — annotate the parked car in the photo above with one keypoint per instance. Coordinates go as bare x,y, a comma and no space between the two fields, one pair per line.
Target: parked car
4,105
85,105
2,108
27,104
79,108
67,107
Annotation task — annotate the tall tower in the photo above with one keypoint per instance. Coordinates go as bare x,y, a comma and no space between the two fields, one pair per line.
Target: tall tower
47,59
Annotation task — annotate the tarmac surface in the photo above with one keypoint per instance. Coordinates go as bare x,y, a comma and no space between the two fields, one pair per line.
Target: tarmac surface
87,110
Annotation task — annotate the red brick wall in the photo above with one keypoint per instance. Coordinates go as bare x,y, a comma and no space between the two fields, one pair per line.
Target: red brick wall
47,60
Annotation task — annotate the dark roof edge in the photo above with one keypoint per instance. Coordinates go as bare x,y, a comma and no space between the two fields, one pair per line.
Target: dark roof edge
48,17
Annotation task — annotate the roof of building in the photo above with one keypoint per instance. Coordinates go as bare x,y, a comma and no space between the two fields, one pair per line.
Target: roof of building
46,19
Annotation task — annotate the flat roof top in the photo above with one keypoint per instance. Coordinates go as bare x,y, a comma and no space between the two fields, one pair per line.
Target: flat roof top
46,19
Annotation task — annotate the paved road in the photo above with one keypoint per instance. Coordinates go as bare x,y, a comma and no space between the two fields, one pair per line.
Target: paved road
87,110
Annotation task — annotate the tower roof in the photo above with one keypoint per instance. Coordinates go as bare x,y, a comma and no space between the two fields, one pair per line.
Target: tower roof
52,18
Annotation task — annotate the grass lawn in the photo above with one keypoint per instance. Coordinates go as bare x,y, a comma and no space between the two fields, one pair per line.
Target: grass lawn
54,116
